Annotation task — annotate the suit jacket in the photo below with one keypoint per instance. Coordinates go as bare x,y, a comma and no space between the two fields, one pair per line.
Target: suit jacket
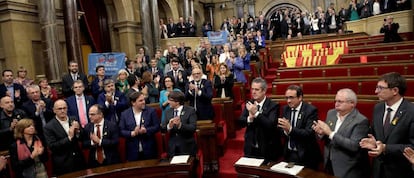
180,84
67,83
113,112
17,101
151,122
304,136
344,152
66,154
30,109
202,103
263,131
73,106
109,143
96,89
171,30
181,140
401,134
391,33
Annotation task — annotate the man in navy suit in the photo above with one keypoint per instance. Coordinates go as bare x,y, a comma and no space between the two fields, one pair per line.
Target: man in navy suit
260,116
62,135
38,109
113,101
102,138
392,129
200,93
73,75
181,123
138,125
155,71
14,90
79,104
297,120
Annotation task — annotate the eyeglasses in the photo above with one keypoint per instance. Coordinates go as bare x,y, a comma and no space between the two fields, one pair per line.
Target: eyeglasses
380,88
62,108
290,97
342,101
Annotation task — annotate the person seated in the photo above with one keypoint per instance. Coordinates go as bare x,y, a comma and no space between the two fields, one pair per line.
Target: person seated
28,154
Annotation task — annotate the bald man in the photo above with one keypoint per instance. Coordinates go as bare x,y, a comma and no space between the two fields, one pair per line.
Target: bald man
200,93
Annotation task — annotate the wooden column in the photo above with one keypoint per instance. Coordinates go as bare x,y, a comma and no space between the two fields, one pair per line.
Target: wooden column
50,40
73,47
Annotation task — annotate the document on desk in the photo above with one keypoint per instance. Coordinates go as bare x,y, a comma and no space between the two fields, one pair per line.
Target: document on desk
180,159
249,162
283,168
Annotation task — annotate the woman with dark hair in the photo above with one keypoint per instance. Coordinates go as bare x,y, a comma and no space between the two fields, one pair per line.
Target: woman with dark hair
28,154
151,87
168,84
97,82
223,82
46,90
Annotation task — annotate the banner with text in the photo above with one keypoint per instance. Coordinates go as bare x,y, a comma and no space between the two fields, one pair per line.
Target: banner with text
112,62
217,38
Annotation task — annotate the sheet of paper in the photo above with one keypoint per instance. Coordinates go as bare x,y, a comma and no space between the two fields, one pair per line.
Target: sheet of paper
281,167
179,159
249,161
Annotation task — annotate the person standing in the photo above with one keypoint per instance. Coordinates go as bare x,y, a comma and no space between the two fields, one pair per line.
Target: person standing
260,117
9,116
79,104
73,75
14,90
62,136
390,30
344,127
297,120
392,129
101,138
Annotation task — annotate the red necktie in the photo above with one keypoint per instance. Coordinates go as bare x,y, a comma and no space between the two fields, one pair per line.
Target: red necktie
99,151
82,115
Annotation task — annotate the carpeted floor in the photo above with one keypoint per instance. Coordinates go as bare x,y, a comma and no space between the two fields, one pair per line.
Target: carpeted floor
233,152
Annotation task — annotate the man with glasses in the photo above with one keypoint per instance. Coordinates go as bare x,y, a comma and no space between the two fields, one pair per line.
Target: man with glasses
79,103
260,117
62,135
392,129
297,119
344,127
200,93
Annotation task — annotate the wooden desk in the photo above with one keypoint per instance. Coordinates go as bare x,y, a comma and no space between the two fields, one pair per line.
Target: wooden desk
147,168
264,171
207,141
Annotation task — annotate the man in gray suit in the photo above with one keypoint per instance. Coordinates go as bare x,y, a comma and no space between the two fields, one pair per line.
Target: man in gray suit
342,131
392,129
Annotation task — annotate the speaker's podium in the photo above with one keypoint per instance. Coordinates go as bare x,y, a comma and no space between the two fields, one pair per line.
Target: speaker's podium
273,170
146,168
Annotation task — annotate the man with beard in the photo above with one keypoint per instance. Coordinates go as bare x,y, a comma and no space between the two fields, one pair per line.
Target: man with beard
73,75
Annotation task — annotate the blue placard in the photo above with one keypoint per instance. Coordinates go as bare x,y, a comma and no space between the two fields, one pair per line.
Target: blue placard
217,38
112,62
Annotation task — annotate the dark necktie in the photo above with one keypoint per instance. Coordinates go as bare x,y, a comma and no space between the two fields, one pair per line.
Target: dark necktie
293,123
175,112
99,151
258,108
387,121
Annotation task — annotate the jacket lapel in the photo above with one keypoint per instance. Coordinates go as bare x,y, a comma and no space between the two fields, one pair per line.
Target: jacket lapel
397,117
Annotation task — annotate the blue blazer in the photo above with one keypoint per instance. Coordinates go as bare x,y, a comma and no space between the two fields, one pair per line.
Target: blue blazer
110,141
237,69
73,107
151,122
113,112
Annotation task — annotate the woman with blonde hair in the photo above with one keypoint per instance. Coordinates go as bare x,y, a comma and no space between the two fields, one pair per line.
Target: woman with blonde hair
122,82
223,82
28,155
46,90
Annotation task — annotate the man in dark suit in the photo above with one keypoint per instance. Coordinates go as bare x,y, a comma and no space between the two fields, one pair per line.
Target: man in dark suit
390,30
14,90
9,116
73,75
182,29
79,104
102,138
200,93
343,129
38,109
138,125
62,135
181,123
171,28
260,116
298,117
179,76
392,128
155,71
113,101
